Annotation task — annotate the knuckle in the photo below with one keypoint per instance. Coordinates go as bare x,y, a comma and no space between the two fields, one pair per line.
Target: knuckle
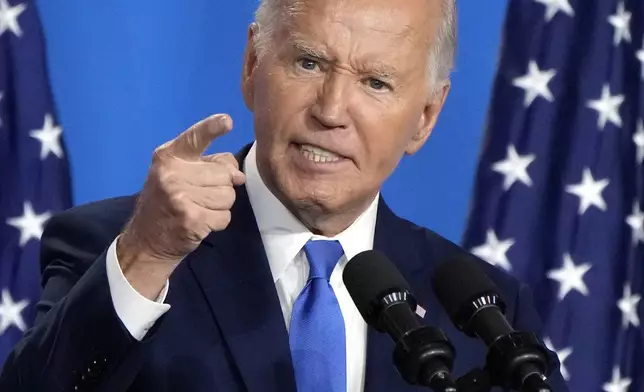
160,153
178,199
223,219
229,195
164,177
190,217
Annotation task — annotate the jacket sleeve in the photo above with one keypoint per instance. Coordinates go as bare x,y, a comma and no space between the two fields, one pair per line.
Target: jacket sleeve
77,342
527,319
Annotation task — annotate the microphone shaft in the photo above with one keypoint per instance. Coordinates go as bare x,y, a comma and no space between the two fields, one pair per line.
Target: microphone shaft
397,319
437,381
489,324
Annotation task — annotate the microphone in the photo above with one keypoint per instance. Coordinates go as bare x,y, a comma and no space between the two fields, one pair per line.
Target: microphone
423,355
515,360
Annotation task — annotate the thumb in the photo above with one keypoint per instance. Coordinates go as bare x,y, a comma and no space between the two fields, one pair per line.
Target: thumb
228,161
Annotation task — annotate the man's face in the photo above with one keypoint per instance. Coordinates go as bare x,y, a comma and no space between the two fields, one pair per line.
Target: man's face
340,96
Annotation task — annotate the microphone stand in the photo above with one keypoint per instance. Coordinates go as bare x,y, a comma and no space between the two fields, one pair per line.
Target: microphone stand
515,361
476,380
479,380
424,357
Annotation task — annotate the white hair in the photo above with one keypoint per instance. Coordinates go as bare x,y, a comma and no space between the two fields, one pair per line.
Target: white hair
441,57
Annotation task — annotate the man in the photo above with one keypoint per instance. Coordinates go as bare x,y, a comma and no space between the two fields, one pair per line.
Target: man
224,273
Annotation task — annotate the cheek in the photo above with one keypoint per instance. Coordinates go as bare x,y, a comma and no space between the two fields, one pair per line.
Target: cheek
388,155
386,139
281,103
270,107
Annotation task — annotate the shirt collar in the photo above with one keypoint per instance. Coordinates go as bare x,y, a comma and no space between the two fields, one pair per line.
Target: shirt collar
284,235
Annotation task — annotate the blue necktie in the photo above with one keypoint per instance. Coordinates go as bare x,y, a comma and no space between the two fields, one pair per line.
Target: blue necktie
317,327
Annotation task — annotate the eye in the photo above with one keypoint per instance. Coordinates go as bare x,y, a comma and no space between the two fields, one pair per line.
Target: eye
307,64
377,84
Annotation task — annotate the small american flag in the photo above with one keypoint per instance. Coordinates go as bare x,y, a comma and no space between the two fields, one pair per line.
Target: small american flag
34,174
559,191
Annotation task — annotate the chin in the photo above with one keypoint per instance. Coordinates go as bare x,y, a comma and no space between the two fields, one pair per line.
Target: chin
311,188
315,194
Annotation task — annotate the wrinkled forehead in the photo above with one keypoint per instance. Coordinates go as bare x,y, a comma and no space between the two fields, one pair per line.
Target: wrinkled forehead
414,22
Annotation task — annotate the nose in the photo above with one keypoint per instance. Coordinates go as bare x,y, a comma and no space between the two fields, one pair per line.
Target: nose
330,108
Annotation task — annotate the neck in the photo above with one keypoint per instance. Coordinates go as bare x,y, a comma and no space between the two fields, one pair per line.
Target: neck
324,221
317,215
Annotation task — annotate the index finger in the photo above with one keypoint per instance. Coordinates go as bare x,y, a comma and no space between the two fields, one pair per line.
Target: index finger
193,142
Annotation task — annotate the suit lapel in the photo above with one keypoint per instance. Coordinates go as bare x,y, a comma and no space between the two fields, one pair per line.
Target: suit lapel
233,272
402,244
232,269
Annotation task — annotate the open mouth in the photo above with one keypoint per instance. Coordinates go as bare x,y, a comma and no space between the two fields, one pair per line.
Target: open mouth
318,154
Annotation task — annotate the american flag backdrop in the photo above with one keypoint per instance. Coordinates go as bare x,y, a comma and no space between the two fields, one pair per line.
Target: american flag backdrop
34,175
559,192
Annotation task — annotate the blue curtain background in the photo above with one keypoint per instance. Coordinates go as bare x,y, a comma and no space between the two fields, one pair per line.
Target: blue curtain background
130,75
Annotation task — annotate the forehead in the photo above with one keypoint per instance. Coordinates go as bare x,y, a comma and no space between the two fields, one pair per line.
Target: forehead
365,25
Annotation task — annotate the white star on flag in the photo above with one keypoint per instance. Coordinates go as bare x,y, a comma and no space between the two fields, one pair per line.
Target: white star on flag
640,57
628,305
589,192
570,277
49,137
621,22
562,354
617,384
11,313
30,224
535,83
636,222
638,139
554,6
514,168
9,17
494,251
608,108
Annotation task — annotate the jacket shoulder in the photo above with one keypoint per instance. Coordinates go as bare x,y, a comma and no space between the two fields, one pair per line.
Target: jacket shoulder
85,230
439,250
113,210
105,217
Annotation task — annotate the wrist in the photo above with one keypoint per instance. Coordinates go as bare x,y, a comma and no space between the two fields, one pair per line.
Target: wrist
144,272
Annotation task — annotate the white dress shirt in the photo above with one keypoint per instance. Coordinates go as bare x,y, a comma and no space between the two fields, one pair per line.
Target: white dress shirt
284,238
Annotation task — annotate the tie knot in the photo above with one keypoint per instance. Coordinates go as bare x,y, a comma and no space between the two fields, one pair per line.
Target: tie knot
322,257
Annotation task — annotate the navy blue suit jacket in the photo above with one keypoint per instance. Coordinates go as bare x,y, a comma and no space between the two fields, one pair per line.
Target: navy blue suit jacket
225,331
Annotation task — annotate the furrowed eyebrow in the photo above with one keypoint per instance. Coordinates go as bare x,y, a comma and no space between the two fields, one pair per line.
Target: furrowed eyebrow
378,69
303,47
381,70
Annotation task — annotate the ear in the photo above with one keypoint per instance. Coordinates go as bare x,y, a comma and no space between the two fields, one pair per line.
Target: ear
428,119
250,62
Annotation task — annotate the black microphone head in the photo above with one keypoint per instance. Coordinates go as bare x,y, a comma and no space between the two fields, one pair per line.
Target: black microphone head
369,277
462,288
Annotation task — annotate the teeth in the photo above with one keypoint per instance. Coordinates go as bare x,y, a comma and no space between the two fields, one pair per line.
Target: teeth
317,154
